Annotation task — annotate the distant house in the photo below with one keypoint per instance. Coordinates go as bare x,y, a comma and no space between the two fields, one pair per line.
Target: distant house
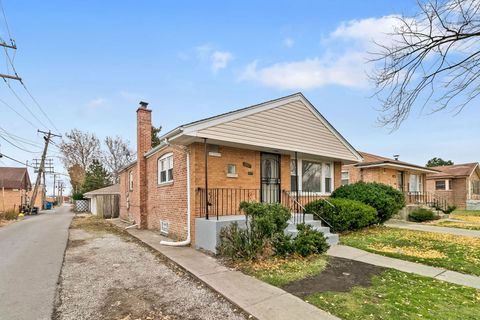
406,177
459,183
279,151
15,188
104,202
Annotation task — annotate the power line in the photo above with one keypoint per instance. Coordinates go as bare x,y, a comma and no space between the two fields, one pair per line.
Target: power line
6,22
39,106
13,144
19,114
2,155
20,139
23,103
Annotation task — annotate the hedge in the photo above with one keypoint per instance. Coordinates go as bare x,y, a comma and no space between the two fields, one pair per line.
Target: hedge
345,214
385,199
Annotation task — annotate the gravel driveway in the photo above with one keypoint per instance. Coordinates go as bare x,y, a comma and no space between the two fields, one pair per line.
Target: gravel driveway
108,275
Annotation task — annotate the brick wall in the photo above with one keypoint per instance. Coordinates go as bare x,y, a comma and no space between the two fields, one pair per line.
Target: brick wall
129,199
456,195
10,199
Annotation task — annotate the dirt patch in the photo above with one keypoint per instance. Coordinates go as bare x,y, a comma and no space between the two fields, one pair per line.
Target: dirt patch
340,275
106,276
76,243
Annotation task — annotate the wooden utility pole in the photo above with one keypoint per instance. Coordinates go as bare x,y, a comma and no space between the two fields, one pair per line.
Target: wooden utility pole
41,168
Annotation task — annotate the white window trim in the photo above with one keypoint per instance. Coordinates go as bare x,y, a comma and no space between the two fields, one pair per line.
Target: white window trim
322,182
130,181
165,156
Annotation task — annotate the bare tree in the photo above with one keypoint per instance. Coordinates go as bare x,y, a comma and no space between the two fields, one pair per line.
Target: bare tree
117,155
432,60
79,148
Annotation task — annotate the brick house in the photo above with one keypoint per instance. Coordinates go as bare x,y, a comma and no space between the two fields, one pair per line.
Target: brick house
459,183
15,186
406,177
282,150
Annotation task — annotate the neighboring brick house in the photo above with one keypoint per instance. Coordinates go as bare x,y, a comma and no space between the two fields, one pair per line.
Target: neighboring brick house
276,151
459,183
406,177
15,186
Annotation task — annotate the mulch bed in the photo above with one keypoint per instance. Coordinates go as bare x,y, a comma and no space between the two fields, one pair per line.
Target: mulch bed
340,275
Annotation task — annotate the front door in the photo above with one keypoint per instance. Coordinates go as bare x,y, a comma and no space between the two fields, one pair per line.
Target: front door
270,173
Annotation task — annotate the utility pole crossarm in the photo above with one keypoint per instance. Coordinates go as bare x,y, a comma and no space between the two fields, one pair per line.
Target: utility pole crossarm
10,46
7,76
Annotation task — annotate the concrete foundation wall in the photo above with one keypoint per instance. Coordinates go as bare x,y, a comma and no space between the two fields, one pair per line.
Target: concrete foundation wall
473,204
207,231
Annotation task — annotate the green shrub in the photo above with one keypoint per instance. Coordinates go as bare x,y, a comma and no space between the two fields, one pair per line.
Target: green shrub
265,222
77,196
345,214
385,199
309,241
420,215
239,243
268,218
282,245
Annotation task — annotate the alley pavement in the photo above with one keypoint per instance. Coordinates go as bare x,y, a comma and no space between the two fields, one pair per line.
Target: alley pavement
31,257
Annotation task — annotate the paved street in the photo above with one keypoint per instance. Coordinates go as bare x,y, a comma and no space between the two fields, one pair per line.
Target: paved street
31,256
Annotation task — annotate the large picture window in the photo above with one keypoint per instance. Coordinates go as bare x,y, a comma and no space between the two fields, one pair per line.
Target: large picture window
415,183
311,176
165,168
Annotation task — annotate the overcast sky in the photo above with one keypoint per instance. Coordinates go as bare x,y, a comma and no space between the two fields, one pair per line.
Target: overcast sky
89,63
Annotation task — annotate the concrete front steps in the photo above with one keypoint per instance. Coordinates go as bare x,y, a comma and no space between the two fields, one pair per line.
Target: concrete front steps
332,238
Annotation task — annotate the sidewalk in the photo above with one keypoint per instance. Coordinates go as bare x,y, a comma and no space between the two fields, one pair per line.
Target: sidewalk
423,227
261,300
347,252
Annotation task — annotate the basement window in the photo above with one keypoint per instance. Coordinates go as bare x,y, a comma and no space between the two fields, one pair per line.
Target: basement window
232,171
164,226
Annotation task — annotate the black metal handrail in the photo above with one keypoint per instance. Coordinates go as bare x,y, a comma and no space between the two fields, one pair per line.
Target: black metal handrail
224,201
299,208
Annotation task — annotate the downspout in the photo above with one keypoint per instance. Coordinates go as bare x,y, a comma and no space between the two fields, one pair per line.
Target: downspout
188,240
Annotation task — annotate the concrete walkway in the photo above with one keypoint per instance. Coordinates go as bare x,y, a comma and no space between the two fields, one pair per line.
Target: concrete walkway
347,252
261,300
31,257
429,228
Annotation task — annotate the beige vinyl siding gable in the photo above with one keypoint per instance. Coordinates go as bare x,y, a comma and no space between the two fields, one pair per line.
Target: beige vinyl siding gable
291,126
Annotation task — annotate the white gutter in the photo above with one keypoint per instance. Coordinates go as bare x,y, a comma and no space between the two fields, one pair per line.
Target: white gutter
188,240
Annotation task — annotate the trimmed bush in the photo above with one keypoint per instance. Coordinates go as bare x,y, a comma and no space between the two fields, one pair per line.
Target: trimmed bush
268,218
421,215
283,245
309,241
385,199
345,214
265,222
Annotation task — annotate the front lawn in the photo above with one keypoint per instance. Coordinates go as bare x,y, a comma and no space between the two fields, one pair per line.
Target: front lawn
458,253
356,290
400,295
466,215
457,224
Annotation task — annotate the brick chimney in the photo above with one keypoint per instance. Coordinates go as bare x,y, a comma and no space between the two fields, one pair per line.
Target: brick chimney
144,144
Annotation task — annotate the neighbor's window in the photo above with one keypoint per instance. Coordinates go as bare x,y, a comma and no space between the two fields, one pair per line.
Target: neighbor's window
414,183
311,176
476,187
165,168
440,185
345,178
328,177
130,181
